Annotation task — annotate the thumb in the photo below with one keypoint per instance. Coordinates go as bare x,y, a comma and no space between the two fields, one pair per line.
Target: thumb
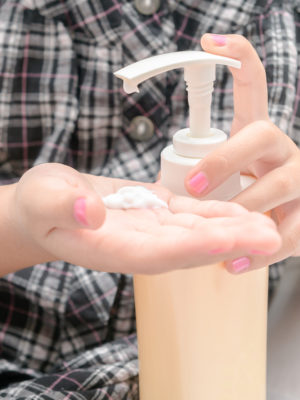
73,206
56,196
89,211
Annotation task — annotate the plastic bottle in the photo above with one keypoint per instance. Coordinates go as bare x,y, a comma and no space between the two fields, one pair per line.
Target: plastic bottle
202,331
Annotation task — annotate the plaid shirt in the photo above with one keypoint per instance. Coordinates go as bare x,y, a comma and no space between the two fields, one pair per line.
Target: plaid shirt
68,333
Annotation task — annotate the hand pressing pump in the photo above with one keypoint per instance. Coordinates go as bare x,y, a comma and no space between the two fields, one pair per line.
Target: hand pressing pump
193,143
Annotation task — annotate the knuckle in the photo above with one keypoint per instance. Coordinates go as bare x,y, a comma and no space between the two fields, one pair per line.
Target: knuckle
267,127
240,42
220,164
267,132
242,48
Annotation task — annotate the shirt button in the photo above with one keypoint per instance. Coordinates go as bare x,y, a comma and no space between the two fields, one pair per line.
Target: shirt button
147,7
141,129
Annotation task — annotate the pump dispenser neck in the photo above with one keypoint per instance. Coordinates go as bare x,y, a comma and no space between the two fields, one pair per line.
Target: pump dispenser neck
199,88
199,74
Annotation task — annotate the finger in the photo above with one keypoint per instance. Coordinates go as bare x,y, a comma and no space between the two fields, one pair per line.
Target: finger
277,187
249,82
207,209
247,232
179,240
187,249
289,230
259,140
73,207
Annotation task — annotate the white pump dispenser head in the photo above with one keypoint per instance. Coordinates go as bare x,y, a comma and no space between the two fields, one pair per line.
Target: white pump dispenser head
199,74
190,144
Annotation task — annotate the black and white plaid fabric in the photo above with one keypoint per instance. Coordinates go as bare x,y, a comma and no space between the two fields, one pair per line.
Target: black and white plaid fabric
68,333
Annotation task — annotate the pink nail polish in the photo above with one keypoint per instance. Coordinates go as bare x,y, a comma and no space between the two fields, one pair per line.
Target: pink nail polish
219,40
80,211
199,182
240,264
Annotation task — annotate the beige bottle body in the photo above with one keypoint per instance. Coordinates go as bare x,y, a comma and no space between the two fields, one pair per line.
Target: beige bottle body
201,332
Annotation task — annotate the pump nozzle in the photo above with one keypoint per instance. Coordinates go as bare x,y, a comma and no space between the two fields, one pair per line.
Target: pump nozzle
199,75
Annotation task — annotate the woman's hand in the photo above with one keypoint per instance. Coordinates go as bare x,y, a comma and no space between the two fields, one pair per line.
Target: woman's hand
256,147
57,213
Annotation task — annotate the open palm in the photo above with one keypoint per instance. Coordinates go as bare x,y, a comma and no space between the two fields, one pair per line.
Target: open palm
187,234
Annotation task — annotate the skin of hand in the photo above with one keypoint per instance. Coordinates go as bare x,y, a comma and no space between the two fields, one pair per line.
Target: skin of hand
256,147
56,213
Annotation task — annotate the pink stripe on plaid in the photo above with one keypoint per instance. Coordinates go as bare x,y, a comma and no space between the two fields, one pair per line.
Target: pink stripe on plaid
178,97
157,18
18,144
105,392
100,90
225,90
66,12
96,299
61,377
271,84
24,89
66,365
127,293
37,75
71,379
17,5
101,390
97,16
147,114
269,3
85,323
186,36
126,340
59,148
21,311
297,99
264,16
11,308
141,25
281,84
56,271
180,31
262,41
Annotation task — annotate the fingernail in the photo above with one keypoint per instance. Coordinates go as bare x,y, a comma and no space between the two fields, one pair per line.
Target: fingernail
80,211
240,264
199,182
219,40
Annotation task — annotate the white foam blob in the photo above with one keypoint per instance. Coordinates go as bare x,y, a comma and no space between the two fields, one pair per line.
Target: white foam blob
133,197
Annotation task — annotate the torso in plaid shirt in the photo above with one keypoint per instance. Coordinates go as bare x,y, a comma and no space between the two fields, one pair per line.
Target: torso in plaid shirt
68,333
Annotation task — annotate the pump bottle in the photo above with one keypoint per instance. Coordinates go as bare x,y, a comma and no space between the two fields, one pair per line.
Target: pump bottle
201,332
